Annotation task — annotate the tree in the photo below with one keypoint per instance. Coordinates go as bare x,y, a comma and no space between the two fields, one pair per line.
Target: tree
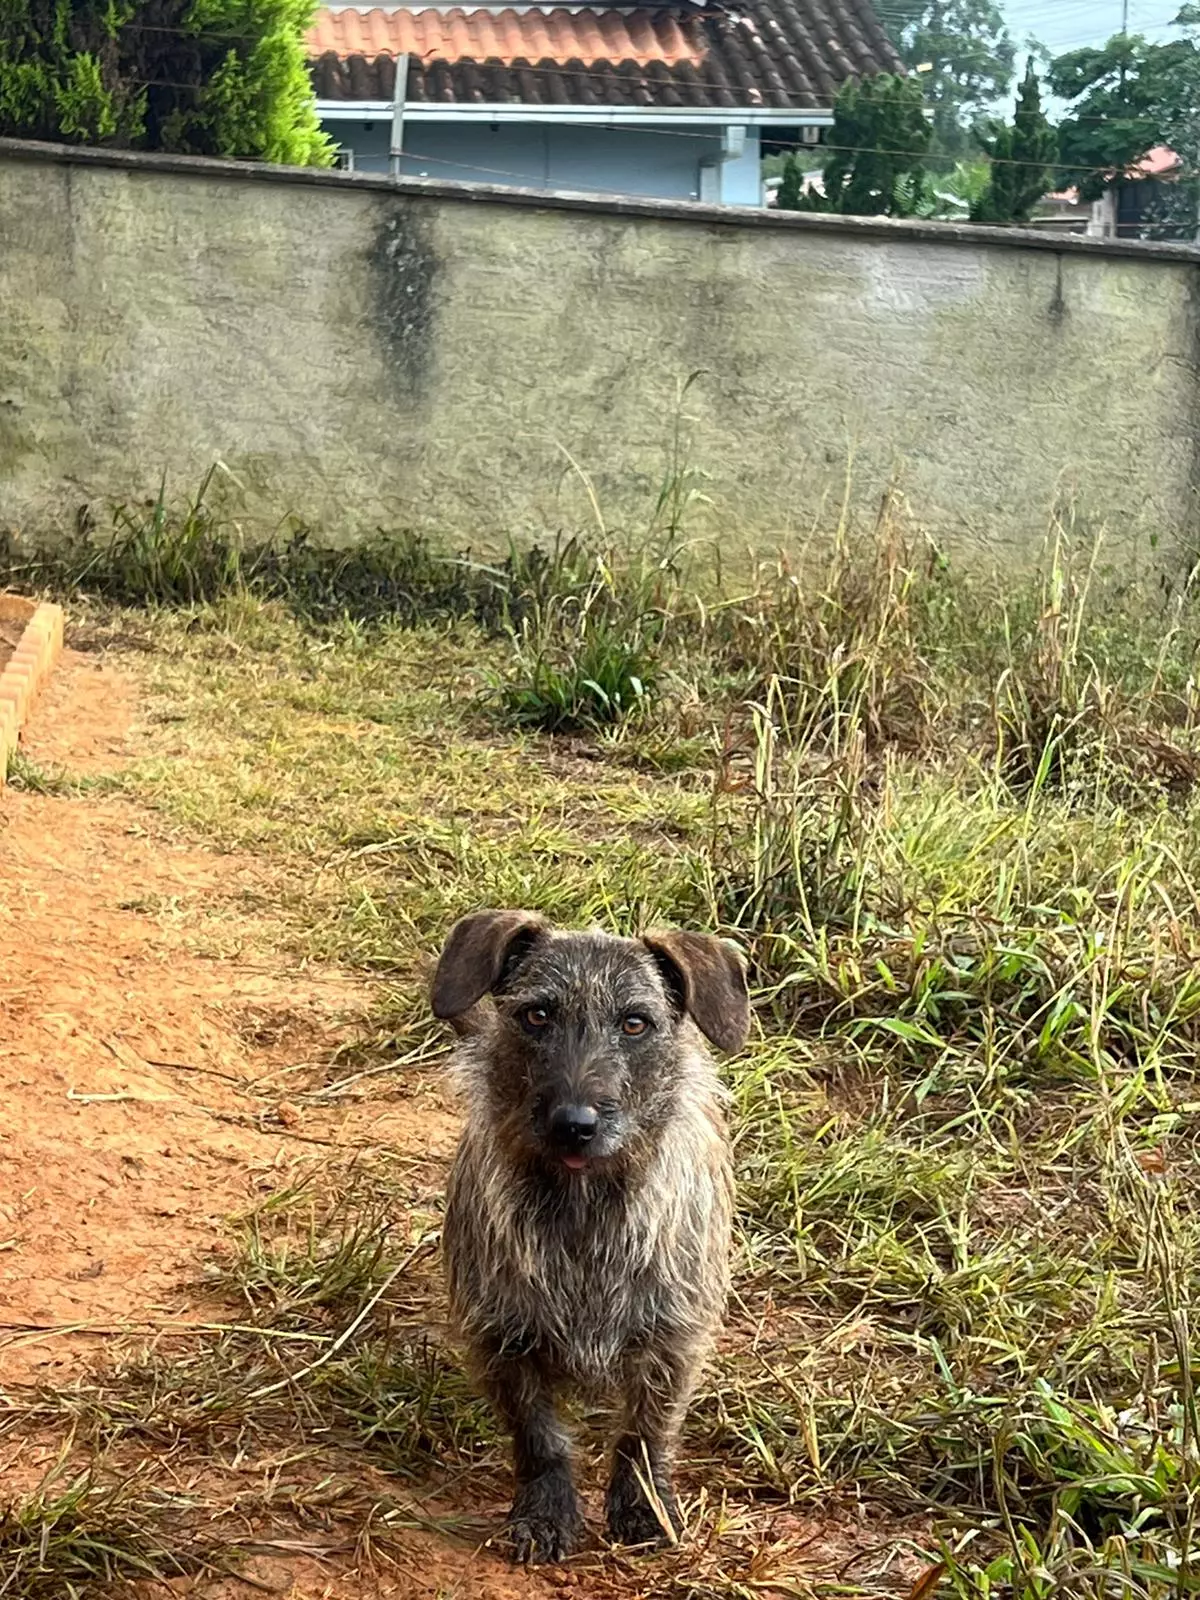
969,55
1177,214
1021,154
879,138
1125,98
790,194
1120,97
198,77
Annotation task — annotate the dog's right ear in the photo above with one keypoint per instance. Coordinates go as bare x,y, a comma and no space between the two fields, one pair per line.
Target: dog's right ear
481,949
709,979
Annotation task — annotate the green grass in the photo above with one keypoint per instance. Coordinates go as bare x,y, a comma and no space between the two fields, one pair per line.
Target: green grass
77,1534
33,778
954,825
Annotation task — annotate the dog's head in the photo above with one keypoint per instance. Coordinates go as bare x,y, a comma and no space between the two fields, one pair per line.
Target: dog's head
590,1037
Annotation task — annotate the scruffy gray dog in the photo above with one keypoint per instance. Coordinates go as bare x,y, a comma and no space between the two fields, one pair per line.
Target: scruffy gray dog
588,1213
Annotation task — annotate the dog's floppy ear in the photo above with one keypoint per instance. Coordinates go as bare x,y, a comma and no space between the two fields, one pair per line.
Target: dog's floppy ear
708,978
480,950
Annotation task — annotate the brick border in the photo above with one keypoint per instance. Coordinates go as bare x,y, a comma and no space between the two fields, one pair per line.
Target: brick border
26,670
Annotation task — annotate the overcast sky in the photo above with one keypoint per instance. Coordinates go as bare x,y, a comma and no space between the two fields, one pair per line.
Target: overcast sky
1068,24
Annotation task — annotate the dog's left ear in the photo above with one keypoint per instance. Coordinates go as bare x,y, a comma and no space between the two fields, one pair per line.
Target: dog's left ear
482,950
708,978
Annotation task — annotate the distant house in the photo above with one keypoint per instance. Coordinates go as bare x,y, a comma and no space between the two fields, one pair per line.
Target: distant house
672,100
1124,209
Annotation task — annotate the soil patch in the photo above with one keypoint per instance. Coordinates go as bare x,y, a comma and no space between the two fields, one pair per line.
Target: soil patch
10,638
123,1047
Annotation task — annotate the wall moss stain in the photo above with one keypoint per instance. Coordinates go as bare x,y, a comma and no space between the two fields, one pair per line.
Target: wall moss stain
404,271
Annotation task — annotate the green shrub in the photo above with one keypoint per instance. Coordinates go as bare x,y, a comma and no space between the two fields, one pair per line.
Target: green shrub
197,77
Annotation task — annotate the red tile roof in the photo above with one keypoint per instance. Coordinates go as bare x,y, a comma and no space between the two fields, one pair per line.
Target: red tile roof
1156,163
1160,162
509,36
781,54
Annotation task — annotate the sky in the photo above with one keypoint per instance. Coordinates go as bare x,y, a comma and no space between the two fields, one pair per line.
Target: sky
1068,24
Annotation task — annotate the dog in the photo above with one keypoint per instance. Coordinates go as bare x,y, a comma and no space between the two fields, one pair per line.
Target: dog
588,1213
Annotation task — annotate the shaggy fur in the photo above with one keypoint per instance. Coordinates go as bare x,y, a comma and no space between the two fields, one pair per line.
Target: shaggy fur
588,1214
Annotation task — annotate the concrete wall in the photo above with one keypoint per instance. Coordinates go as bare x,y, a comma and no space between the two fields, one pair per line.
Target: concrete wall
361,355
661,162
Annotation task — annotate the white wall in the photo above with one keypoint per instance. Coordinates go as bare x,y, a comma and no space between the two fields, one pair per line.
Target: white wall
659,162
741,179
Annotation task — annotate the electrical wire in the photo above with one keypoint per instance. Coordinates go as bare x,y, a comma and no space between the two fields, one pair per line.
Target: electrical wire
679,133
606,78
1072,168
818,100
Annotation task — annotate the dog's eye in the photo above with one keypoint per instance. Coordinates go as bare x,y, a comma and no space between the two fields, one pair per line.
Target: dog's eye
634,1025
535,1017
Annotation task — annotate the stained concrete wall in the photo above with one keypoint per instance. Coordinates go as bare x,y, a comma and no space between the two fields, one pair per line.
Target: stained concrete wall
364,354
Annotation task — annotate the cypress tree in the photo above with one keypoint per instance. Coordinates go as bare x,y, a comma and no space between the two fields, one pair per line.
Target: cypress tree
791,188
879,139
197,77
1021,153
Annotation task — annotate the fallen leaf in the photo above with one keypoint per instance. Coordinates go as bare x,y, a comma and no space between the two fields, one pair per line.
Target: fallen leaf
927,1583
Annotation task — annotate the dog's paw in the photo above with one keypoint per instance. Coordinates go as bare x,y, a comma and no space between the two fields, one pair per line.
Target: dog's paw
536,1539
545,1524
631,1517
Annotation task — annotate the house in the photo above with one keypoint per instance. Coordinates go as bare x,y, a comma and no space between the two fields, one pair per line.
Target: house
675,100
1125,210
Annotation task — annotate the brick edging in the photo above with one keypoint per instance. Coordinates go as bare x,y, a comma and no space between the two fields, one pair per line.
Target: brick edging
27,669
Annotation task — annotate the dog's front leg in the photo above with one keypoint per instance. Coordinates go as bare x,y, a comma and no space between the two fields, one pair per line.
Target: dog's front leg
641,1501
545,1523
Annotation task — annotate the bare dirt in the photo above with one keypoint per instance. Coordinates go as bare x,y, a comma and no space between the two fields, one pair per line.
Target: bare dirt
142,986
10,638
126,1144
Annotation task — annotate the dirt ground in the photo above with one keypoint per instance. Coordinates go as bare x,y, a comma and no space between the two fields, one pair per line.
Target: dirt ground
140,991
10,637
126,1144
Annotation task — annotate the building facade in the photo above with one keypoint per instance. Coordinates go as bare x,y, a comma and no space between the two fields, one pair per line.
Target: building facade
673,101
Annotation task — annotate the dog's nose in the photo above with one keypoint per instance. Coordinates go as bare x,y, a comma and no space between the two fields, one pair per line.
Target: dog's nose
573,1127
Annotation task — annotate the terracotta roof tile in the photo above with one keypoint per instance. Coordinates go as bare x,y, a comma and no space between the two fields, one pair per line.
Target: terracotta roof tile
508,36
782,54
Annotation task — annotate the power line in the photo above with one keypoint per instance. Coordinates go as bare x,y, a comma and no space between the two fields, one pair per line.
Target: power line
1072,168
814,100
607,78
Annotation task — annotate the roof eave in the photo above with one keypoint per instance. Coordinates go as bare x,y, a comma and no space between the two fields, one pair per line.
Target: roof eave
601,116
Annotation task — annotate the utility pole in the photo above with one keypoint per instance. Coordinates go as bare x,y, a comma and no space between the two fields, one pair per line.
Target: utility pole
396,148
1124,17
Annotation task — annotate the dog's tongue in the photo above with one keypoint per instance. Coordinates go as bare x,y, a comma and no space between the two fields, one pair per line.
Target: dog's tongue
574,1163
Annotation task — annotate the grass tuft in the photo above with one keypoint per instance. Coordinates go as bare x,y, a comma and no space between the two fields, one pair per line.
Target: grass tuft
75,1535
